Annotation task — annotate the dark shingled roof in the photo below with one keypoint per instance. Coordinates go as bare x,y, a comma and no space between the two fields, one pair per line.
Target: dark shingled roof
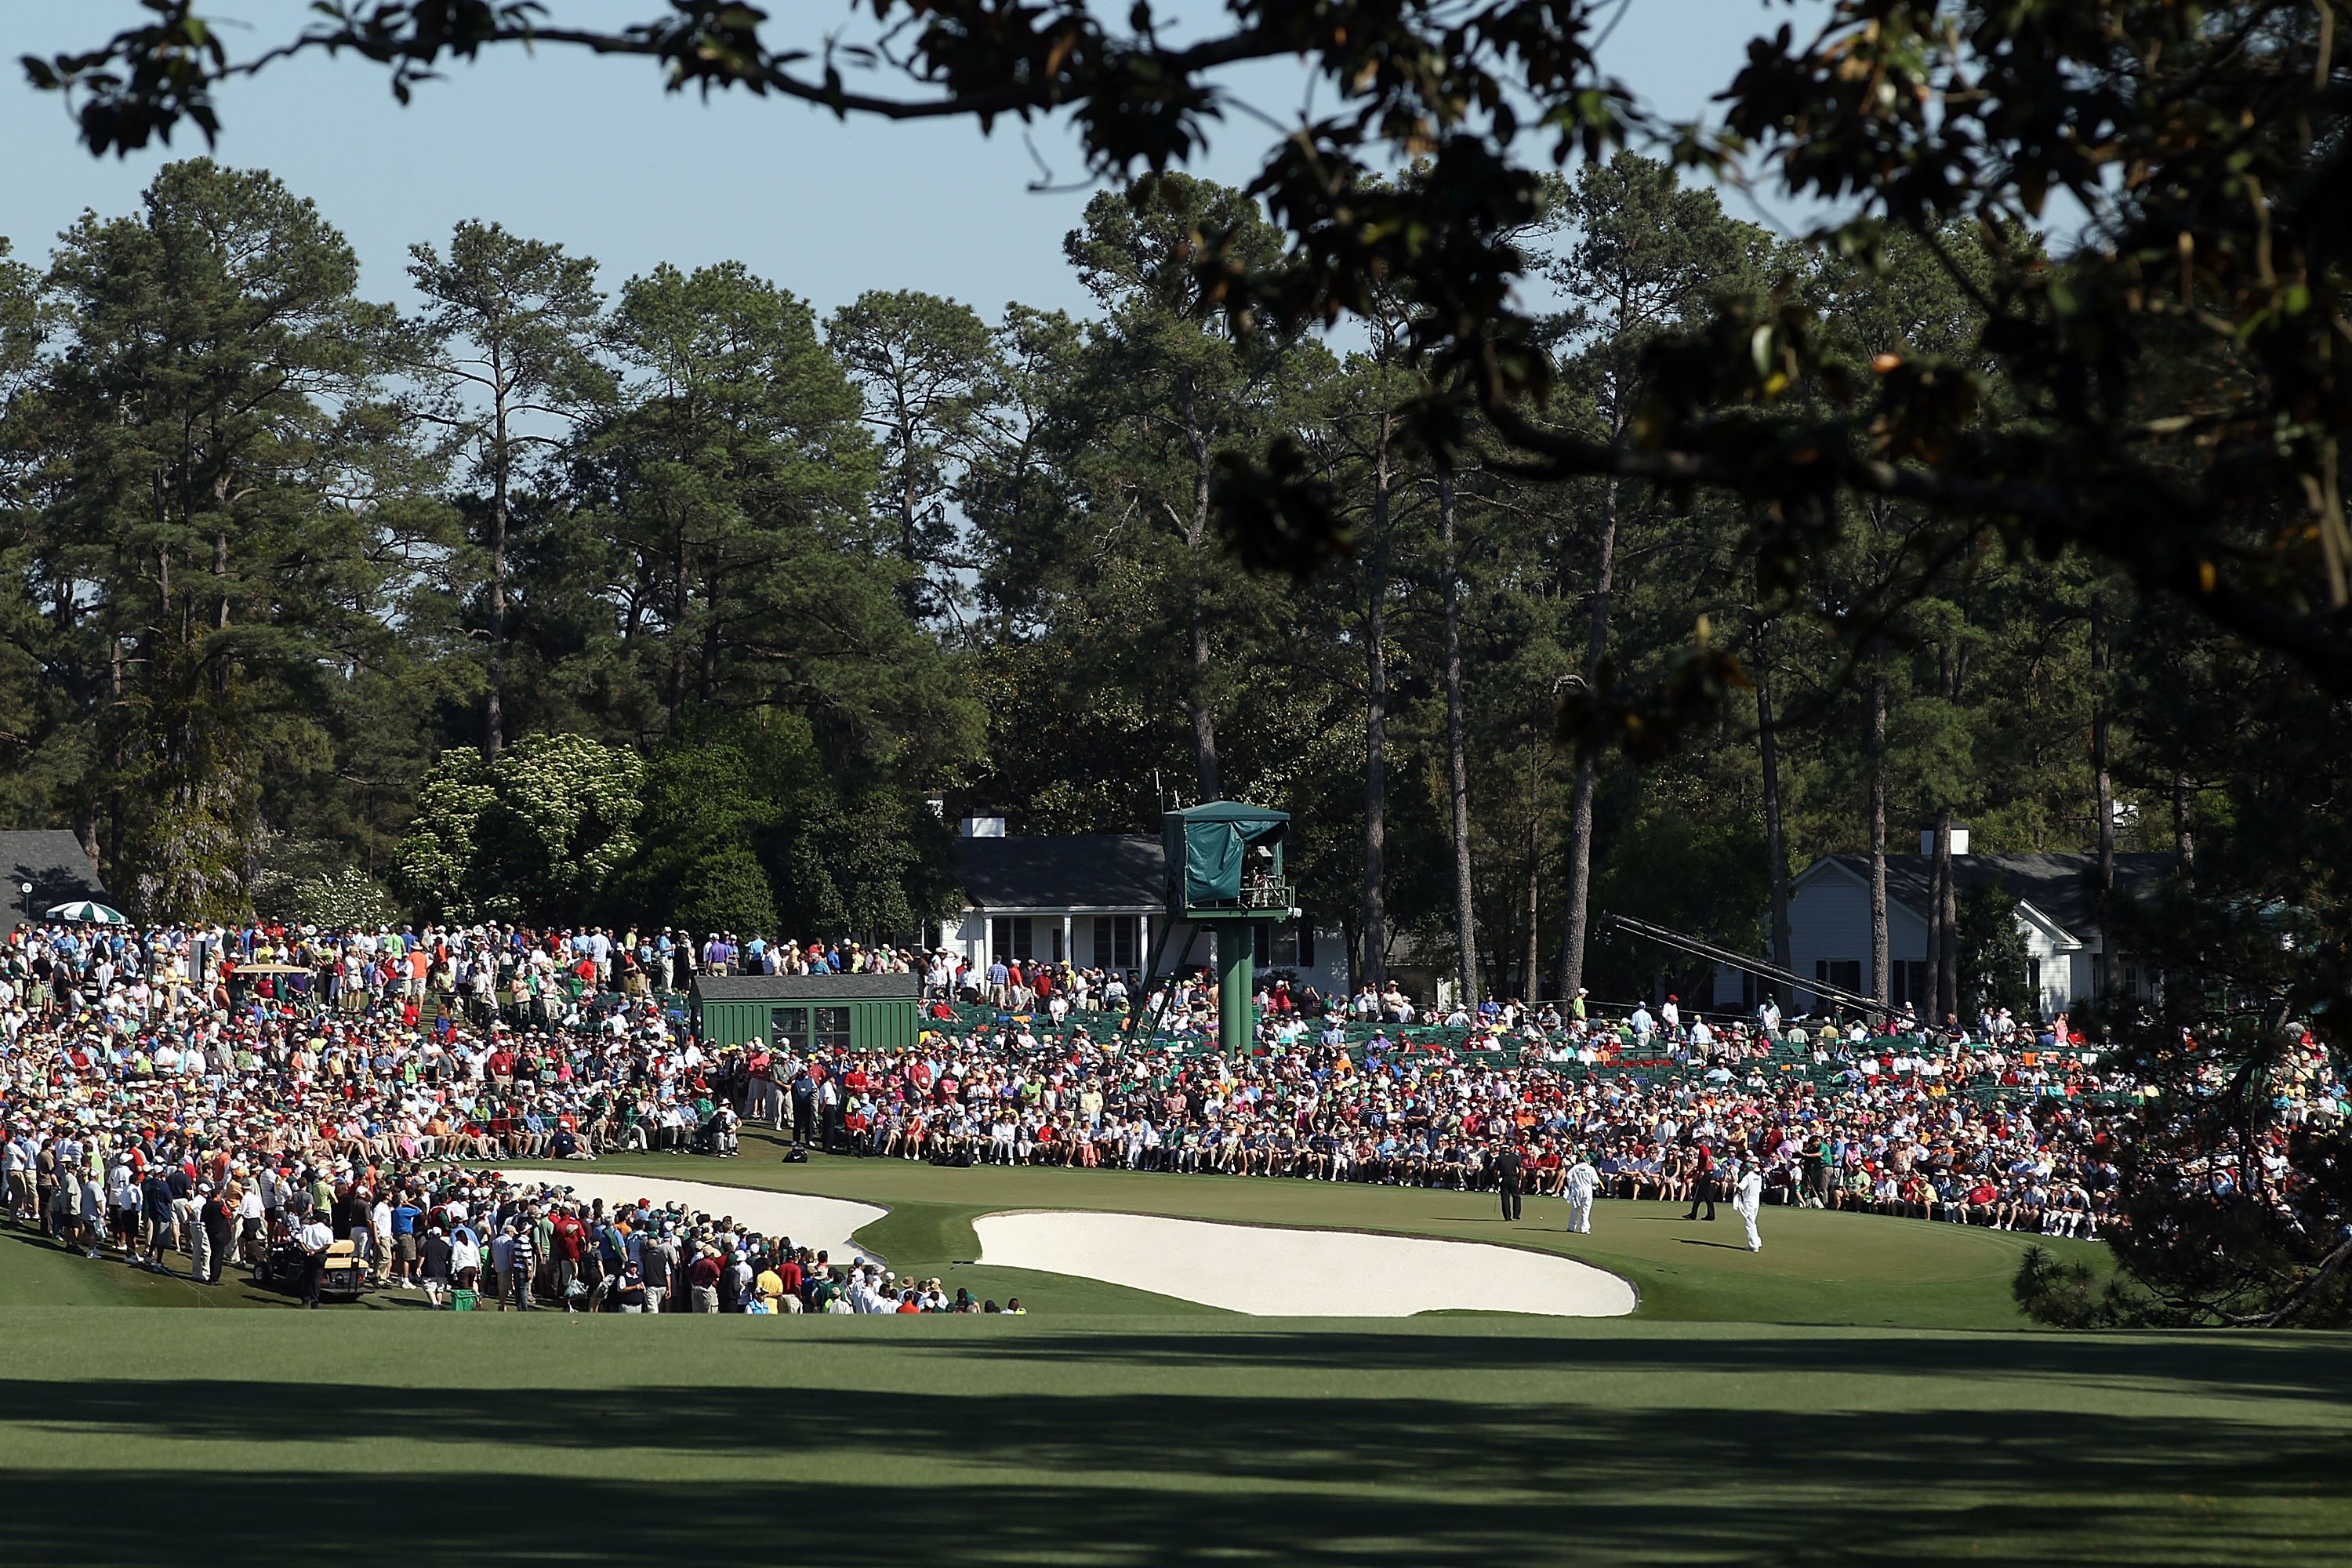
804,987
2060,886
1102,870
51,859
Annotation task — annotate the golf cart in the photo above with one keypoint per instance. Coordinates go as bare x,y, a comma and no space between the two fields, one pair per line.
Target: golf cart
345,1278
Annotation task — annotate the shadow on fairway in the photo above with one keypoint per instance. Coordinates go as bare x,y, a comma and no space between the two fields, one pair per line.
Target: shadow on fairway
1119,1478
2282,1365
1694,1241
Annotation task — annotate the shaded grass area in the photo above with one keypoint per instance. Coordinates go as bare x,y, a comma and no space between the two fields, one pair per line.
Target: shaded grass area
1097,1441
1816,1267
34,1271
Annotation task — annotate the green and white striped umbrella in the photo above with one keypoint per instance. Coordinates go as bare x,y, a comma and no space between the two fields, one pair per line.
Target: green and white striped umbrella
87,913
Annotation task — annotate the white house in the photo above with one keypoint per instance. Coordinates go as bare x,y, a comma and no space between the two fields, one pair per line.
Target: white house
1098,901
1829,923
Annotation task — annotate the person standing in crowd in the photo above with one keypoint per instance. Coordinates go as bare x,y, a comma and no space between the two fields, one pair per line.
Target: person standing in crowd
702,1279
570,1239
315,1236
658,1258
521,1269
437,1257
220,1229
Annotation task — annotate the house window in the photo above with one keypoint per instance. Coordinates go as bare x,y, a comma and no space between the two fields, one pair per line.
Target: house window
1011,938
1910,978
788,1023
831,1029
1115,942
2131,978
1845,974
2034,977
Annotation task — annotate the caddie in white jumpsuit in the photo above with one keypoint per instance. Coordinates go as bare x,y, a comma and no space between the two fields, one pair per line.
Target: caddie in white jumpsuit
1747,1199
1578,1186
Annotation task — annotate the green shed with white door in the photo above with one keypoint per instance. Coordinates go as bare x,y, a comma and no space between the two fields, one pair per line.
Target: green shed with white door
826,1012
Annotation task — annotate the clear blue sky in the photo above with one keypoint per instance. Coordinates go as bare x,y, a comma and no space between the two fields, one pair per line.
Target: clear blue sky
593,155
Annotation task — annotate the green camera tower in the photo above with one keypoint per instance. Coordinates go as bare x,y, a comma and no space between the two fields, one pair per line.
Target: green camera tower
1224,872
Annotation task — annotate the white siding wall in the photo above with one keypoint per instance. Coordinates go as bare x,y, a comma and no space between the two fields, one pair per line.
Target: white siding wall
1906,933
1829,919
2053,963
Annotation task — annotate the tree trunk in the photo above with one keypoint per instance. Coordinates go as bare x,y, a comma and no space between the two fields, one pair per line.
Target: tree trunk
912,595
1881,950
2184,823
1458,762
681,594
494,709
2103,787
712,621
218,667
494,712
2102,763
1580,819
1376,726
1943,924
1774,845
115,757
1204,723
1927,1010
1530,979
1196,538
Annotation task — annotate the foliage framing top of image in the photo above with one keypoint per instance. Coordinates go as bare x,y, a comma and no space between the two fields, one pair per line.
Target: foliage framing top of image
2200,141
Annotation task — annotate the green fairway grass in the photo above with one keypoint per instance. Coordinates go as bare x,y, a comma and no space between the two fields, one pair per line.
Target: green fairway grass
131,1437
1756,1410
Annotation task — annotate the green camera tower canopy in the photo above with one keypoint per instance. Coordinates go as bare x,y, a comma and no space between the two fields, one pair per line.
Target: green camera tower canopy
1224,869
1225,862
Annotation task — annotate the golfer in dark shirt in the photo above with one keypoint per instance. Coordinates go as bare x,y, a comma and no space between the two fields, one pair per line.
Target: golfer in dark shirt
1510,1175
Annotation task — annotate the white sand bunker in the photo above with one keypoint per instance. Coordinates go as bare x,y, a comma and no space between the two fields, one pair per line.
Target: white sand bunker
1300,1273
824,1223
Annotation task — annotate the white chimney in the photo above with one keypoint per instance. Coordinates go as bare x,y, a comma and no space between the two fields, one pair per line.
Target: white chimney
1959,840
984,827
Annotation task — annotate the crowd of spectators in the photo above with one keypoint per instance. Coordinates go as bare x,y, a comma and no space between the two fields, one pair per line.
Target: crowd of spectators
203,1094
